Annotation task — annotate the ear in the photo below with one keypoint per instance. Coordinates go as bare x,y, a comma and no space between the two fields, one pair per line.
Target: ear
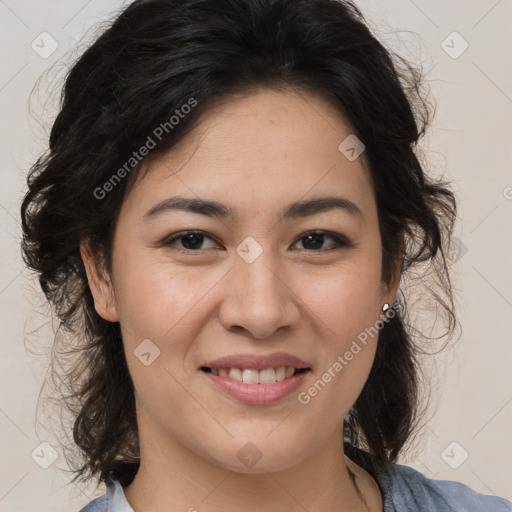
100,283
389,289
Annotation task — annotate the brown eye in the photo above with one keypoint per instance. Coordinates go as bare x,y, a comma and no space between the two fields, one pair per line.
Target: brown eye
315,241
190,241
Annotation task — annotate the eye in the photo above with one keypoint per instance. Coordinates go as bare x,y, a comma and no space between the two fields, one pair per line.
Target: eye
190,240
314,240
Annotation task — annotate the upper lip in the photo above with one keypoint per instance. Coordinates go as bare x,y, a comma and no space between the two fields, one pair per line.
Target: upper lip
257,362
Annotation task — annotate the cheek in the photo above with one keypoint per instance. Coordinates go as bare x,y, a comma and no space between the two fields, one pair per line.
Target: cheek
348,305
161,303
346,299
157,300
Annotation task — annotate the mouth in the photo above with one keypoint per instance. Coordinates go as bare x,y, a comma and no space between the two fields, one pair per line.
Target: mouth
256,379
253,376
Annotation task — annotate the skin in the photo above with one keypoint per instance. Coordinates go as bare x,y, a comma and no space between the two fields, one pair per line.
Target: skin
255,153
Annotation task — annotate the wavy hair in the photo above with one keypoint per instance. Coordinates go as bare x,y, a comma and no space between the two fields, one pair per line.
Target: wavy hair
153,57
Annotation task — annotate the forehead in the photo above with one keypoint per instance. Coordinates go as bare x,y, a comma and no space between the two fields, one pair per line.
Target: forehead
270,146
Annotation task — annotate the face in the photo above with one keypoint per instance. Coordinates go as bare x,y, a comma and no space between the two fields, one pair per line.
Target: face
191,289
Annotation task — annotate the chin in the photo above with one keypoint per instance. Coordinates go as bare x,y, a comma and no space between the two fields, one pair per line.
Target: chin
256,454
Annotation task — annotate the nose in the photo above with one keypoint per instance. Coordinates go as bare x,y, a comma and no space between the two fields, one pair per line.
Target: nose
258,299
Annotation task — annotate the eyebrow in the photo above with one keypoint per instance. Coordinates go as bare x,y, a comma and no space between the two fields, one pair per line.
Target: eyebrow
212,208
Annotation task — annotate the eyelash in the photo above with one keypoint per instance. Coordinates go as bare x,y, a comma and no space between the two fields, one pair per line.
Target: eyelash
339,241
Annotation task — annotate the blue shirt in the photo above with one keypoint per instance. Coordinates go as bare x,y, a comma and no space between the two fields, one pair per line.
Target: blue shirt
403,489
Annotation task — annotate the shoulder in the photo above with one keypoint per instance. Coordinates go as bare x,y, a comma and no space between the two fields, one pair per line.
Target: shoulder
406,489
112,501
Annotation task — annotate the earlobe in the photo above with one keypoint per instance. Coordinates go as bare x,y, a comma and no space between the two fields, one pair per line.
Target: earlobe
100,283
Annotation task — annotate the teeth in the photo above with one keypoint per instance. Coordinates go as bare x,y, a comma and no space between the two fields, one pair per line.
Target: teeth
235,374
267,376
251,376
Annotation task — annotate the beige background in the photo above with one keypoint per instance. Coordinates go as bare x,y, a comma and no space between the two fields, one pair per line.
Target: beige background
470,141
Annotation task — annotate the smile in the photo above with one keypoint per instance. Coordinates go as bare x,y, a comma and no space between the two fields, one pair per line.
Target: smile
232,382
253,376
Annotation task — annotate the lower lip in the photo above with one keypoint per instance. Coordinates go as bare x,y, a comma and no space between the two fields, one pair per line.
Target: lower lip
257,394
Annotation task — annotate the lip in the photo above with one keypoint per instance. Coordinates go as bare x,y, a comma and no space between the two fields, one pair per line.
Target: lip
258,362
257,394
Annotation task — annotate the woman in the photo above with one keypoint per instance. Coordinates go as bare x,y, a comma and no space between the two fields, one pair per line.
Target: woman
230,201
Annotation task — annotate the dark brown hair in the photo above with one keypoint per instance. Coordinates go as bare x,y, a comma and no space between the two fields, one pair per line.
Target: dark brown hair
156,56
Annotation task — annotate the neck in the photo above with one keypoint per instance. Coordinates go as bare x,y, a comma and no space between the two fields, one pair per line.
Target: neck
171,477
